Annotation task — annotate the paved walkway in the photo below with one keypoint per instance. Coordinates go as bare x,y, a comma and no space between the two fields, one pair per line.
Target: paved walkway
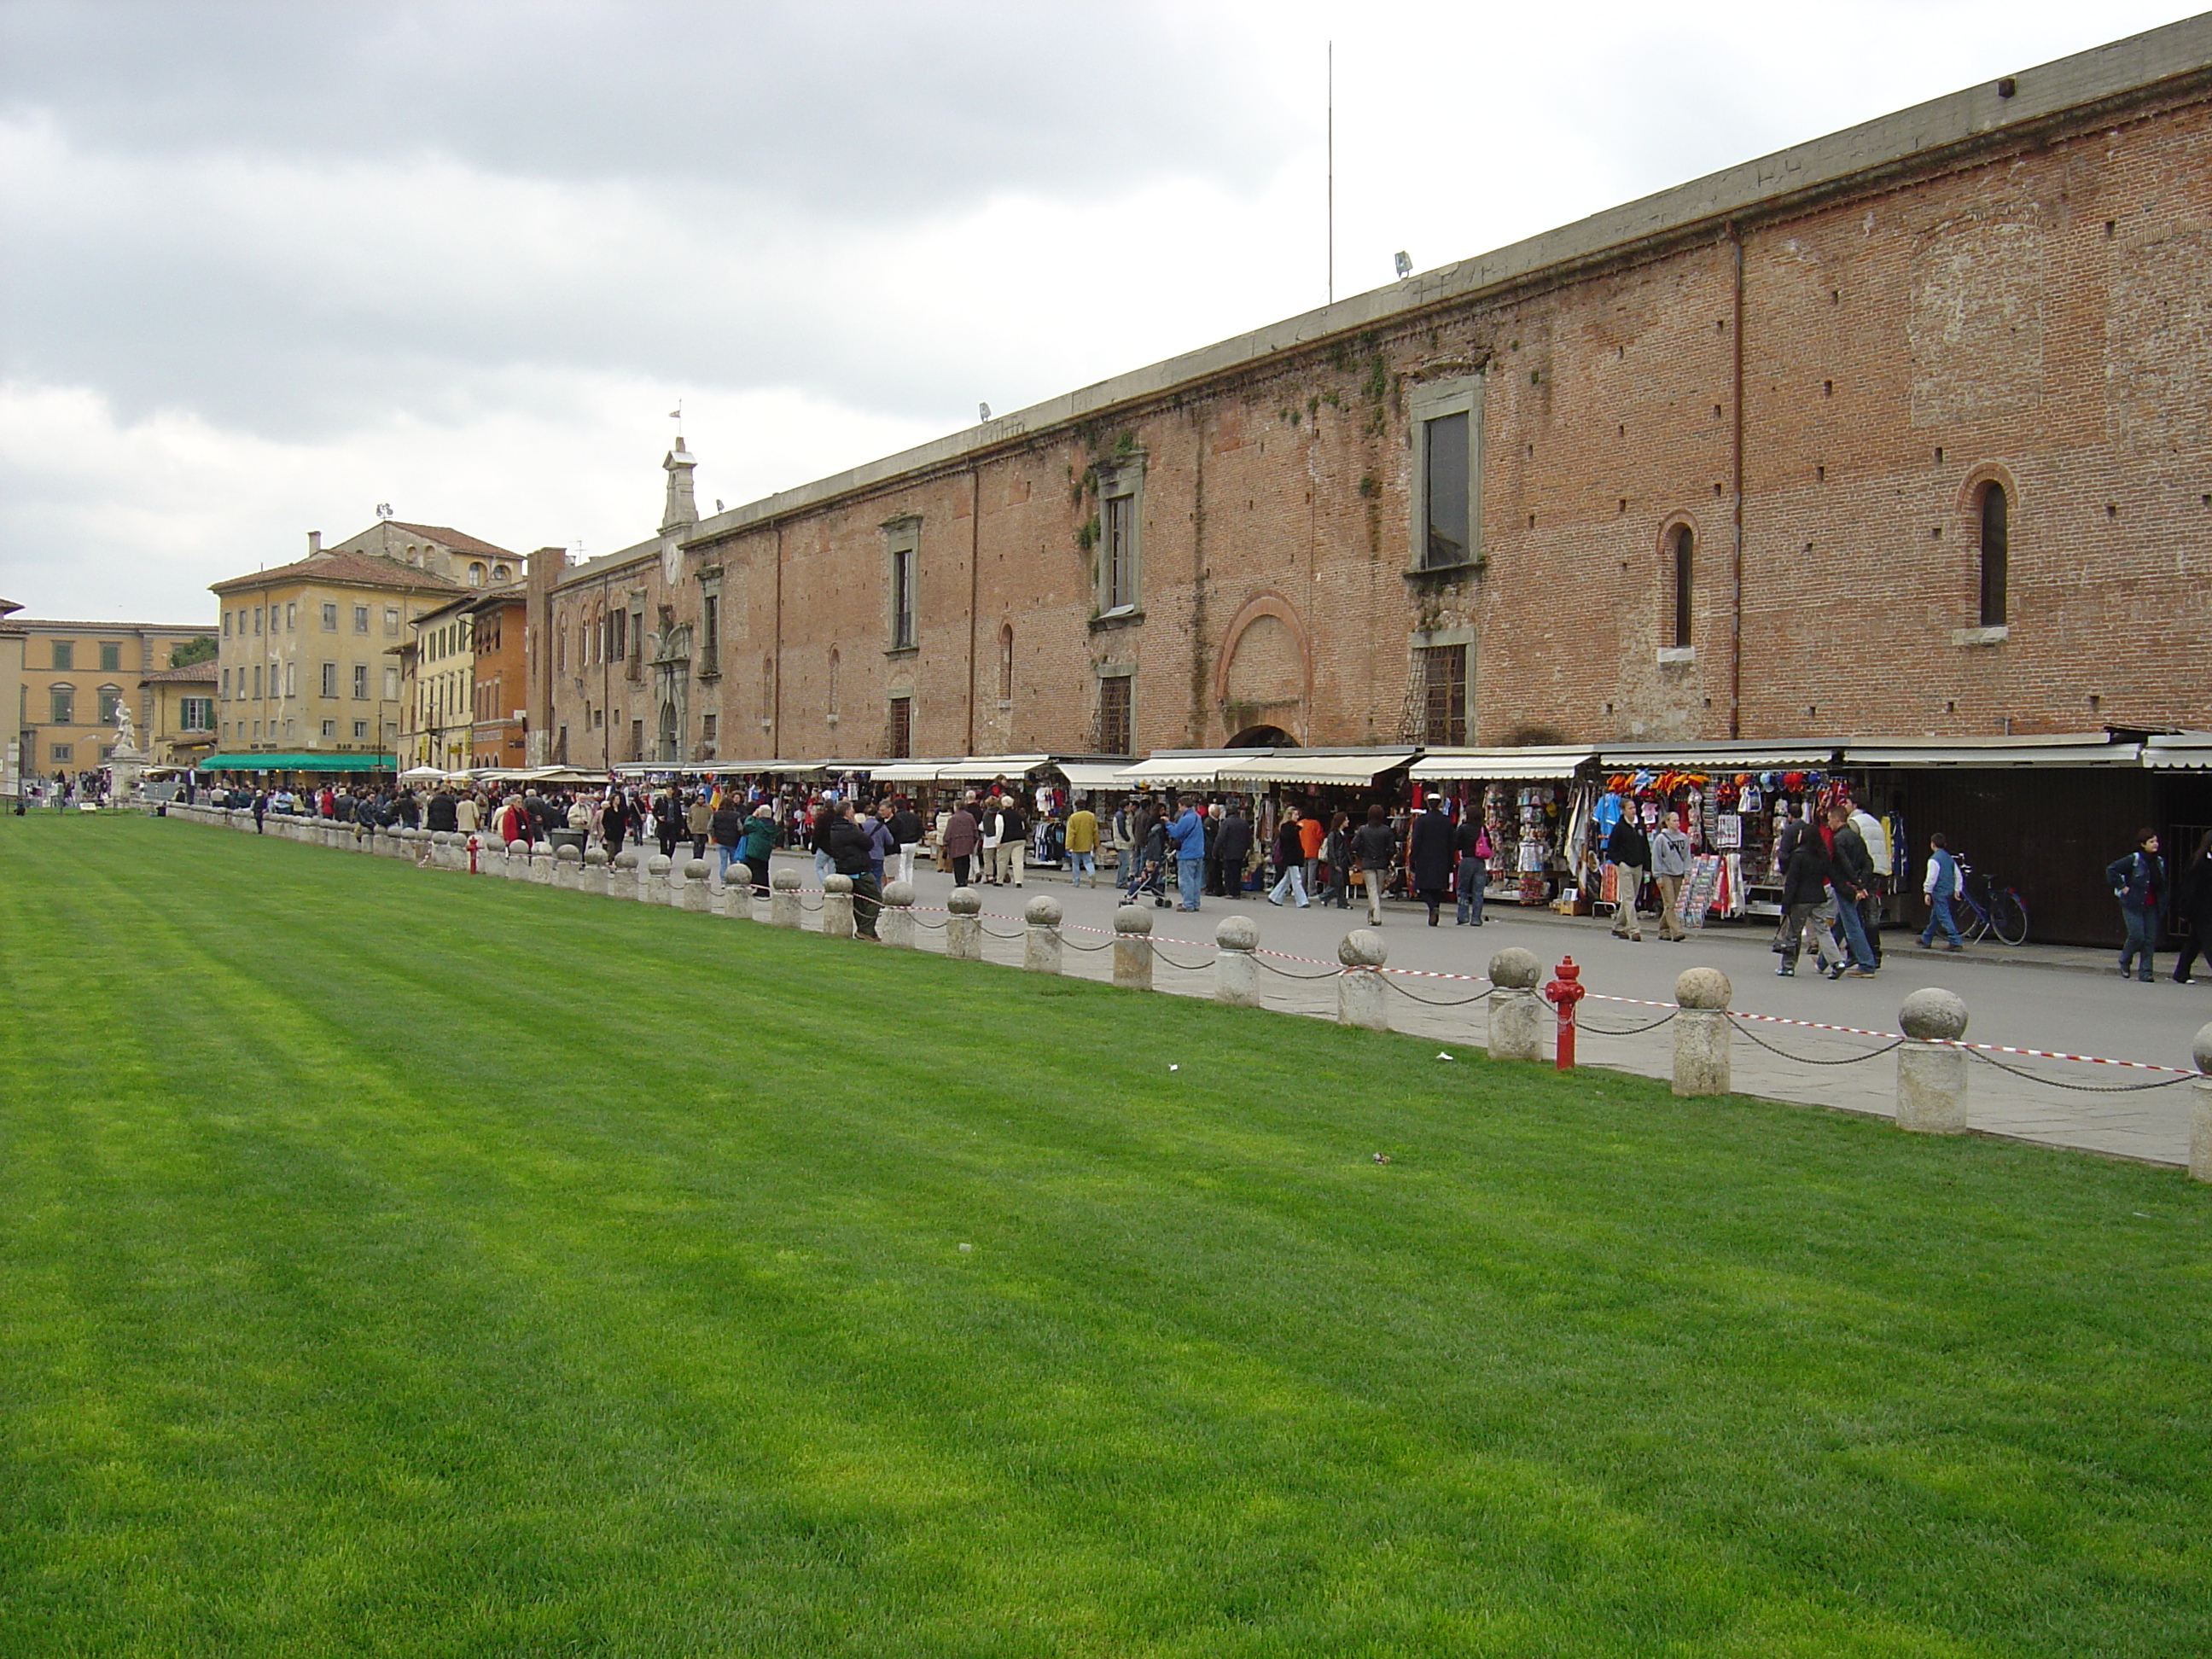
2101,1015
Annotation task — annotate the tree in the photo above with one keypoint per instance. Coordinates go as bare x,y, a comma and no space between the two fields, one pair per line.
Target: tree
201,649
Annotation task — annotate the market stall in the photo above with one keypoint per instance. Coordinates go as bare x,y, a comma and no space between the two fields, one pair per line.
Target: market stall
1527,797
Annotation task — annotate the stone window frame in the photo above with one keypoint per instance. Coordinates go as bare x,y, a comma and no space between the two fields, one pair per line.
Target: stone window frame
330,617
111,656
1126,672
709,654
61,704
1121,478
902,539
1674,648
1442,639
1430,401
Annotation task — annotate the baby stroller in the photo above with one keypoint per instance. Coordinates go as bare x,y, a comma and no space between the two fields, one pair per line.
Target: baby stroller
1150,874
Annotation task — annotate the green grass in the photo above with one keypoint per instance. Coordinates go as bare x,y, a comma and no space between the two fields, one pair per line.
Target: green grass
392,1262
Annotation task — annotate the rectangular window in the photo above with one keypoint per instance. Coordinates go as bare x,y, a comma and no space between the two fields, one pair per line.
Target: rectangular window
226,685
330,619
360,619
257,619
902,743
1114,722
1444,693
392,622
361,729
1447,504
391,685
291,619
330,729
61,751
903,545
63,699
361,681
707,723
257,681
111,656
111,699
65,653
637,740
195,713
225,624
1117,528
291,679
710,651
1444,444
330,679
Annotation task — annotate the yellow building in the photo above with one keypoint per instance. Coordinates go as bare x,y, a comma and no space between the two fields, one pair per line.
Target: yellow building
180,721
304,677
444,673
11,673
74,678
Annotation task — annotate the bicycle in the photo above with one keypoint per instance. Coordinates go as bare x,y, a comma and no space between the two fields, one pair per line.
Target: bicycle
1998,912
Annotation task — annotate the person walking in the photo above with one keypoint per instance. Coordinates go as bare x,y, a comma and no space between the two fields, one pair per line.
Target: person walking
1940,887
1375,849
1472,875
1232,849
260,810
1850,876
726,824
2138,881
962,834
1188,833
758,846
1429,856
905,826
1311,833
1082,840
1013,839
1630,854
1670,867
1805,894
1290,860
698,821
612,822
2192,907
1336,852
1881,866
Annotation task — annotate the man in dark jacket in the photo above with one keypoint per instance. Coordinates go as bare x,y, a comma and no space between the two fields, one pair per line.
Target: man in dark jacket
727,828
1851,878
1629,854
1232,845
853,852
1428,853
906,830
2138,881
962,834
444,812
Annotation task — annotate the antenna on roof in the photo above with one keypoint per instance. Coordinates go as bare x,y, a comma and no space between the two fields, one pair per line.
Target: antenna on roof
383,509
677,413
1404,264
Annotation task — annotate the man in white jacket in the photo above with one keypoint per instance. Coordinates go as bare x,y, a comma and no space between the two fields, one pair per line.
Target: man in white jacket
1880,854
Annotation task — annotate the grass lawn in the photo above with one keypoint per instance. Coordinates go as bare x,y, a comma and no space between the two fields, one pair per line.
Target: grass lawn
392,1262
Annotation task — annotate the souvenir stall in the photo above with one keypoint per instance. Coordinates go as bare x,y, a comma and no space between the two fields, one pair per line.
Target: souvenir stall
1730,799
1529,799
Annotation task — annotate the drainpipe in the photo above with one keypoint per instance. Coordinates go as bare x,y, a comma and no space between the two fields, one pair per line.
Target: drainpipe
974,542
775,696
1735,489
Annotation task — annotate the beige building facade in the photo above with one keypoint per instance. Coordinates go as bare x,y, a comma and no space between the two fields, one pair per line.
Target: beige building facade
74,677
180,723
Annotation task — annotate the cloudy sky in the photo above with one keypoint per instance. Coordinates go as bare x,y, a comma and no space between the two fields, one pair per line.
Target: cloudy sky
264,265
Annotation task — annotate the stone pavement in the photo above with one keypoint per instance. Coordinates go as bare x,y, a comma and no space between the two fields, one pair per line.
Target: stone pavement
2082,1013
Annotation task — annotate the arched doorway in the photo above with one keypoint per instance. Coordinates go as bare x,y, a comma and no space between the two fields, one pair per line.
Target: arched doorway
668,738
1263,737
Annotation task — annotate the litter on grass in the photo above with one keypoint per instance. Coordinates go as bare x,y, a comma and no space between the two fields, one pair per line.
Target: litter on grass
964,1248
1175,1068
1382,1158
1442,1056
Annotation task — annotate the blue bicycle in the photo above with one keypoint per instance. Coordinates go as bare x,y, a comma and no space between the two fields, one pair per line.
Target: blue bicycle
1998,912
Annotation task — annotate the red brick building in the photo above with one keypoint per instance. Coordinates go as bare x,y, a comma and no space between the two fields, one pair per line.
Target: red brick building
1903,432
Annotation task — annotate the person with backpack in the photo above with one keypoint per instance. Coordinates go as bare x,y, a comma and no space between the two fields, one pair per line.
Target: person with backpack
2138,881
1472,875
1940,887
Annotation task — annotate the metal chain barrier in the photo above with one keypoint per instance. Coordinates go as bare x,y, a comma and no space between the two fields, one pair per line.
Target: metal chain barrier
1284,973
2076,1088
1430,1002
1160,955
1624,1030
1805,1060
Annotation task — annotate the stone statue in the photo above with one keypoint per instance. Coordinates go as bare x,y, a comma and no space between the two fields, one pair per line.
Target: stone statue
126,734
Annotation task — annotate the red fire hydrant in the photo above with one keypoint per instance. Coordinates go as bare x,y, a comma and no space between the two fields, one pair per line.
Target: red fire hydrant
472,855
1563,992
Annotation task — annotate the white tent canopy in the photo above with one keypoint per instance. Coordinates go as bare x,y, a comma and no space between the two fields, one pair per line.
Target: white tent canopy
1314,766
1467,765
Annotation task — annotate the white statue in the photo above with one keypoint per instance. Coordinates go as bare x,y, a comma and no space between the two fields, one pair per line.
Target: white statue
126,736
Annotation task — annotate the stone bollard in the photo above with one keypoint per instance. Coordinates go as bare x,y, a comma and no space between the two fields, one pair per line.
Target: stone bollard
1133,948
837,907
1235,969
2200,1109
652,883
567,869
895,925
442,849
697,894
737,899
1360,992
964,925
1041,950
1702,1031
1931,1074
594,877
1517,1014
783,907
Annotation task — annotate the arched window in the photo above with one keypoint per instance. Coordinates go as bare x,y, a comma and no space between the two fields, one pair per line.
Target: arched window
833,679
1996,539
1684,588
1006,662
476,576
499,573
63,700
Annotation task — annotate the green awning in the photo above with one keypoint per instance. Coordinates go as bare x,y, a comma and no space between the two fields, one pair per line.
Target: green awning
277,762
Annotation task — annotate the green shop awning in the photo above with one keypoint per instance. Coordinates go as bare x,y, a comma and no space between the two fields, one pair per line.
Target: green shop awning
278,762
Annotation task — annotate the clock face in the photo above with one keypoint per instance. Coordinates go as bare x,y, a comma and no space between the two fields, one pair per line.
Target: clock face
671,560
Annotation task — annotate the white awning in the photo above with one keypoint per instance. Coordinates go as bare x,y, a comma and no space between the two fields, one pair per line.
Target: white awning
1093,775
1311,766
1197,767
1995,753
982,769
906,771
1467,765
1716,756
2188,750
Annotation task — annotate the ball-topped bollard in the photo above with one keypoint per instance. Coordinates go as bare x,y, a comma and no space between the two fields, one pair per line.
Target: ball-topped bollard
593,879
837,907
1133,948
1931,1072
783,907
1361,995
1516,1013
964,925
1040,946
1703,1029
894,926
567,868
697,892
1236,968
